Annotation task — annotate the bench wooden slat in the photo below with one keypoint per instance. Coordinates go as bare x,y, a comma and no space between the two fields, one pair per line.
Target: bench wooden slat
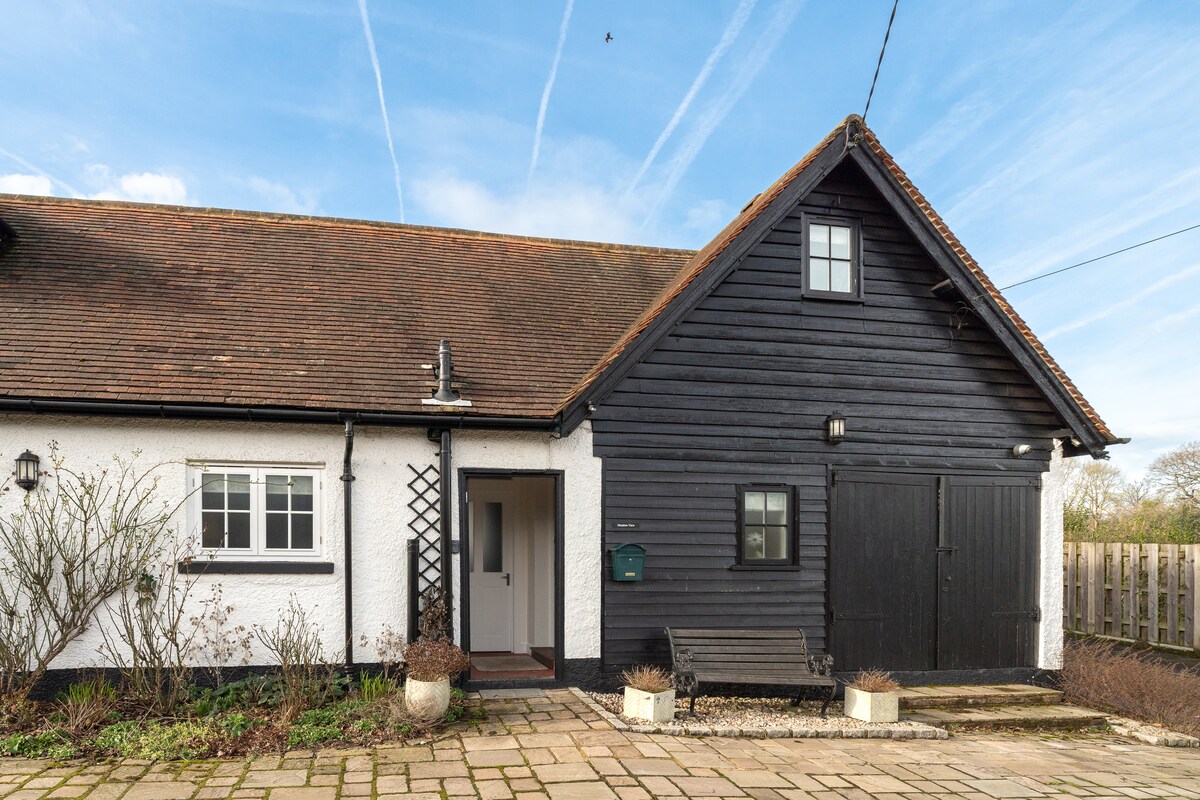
758,657
717,633
777,680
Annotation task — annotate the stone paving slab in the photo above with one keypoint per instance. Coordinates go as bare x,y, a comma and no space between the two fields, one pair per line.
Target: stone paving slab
521,752
982,695
1014,716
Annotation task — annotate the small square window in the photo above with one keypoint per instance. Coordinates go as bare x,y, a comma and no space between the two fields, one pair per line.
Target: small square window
832,264
766,525
248,512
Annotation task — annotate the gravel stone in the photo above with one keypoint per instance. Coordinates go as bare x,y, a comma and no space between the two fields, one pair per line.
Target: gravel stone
766,717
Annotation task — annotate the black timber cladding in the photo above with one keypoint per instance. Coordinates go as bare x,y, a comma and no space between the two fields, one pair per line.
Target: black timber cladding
738,392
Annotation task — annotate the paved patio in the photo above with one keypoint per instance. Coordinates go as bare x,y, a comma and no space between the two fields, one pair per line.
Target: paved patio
555,747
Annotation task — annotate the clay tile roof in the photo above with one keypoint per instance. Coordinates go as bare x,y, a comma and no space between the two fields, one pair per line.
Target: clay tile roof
131,302
167,304
705,256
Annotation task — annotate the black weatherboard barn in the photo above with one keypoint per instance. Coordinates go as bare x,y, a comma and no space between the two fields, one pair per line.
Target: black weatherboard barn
821,425
828,419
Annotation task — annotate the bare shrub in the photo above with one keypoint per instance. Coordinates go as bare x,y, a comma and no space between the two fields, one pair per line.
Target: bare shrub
87,704
434,620
873,680
645,678
429,659
219,643
295,645
147,639
389,648
1101,675
79,538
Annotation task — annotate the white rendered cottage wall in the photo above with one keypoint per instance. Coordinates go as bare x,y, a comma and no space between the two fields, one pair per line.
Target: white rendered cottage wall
1050,630
381,515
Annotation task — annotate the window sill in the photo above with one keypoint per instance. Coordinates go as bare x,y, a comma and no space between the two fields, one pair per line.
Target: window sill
760,567
840,297
219,567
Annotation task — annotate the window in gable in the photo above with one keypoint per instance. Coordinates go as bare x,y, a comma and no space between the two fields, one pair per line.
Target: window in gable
256,512
832,260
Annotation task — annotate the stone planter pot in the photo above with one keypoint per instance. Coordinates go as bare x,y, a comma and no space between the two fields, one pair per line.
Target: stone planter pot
427,700
651,707
872,706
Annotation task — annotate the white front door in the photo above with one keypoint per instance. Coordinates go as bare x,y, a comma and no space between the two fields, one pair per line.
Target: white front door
491,561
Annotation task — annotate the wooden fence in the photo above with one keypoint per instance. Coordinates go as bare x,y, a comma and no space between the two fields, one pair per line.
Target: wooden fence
1145,592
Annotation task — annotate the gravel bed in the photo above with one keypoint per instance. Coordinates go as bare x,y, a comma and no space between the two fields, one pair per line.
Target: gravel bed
762,717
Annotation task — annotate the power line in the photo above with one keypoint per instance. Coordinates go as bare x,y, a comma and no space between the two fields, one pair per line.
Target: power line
1099,258
879,63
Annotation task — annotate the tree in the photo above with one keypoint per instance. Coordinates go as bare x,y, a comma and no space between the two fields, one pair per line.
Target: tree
1178,474
1094,492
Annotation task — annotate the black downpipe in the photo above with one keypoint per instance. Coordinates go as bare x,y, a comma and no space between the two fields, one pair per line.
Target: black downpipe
445,505
347,549
414,592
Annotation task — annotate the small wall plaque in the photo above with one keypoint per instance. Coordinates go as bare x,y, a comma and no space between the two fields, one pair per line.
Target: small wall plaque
625,526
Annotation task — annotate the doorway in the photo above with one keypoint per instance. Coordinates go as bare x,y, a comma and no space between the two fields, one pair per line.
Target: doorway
932,572
511,568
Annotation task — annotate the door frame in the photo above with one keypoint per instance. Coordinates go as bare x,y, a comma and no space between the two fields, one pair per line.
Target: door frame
1037,479
464,600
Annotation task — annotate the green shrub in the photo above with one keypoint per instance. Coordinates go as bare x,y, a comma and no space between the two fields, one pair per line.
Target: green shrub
304,734
235,724
55,744
159,742
318,717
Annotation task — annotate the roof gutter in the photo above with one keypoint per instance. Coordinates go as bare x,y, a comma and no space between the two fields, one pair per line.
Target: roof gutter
252,414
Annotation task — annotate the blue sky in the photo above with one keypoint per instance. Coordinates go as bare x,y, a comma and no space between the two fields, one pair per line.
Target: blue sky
1045,133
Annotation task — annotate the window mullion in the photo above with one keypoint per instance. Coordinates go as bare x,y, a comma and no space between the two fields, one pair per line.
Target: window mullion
257,520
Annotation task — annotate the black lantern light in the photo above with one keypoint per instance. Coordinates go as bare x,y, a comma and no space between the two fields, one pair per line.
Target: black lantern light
27,470
835,428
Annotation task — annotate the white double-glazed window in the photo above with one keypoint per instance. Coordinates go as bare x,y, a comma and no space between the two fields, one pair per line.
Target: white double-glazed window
256,512
767,525
833,268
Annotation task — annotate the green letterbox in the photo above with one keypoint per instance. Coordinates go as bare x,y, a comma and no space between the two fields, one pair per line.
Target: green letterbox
627,562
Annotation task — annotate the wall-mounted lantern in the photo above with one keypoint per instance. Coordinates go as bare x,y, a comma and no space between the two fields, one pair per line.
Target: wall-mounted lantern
1020,450
27,470
835,428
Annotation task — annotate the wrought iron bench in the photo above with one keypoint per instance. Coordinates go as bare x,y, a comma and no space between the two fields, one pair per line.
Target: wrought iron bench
766,658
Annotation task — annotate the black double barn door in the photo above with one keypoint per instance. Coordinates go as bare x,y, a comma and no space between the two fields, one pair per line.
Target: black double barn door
933,572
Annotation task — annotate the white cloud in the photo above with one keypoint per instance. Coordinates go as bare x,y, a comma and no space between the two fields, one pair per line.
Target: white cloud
569,209
18,183
280,197
707,217
140,187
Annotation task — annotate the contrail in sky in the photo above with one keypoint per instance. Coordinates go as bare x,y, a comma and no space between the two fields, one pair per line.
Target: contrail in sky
744,75
541,119
387,125
727,38
38,170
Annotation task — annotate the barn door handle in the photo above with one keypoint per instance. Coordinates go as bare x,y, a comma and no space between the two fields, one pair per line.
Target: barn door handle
947,549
